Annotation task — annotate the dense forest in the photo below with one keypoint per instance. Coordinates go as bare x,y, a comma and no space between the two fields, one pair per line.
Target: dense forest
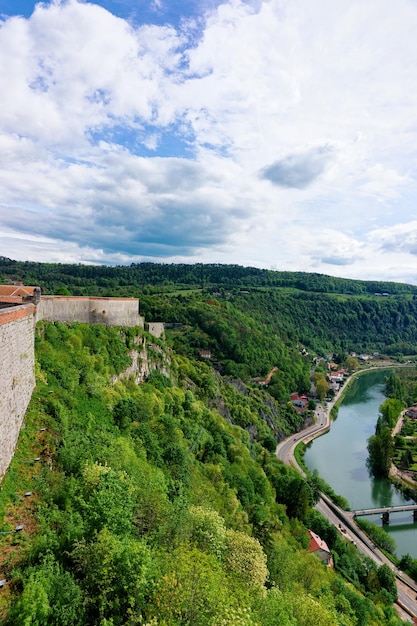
50,276
148,505
321,313
163,503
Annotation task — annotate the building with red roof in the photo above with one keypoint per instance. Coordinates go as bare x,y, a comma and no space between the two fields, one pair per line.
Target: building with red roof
319,547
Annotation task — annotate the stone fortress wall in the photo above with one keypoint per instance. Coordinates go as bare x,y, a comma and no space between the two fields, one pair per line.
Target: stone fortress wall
17,375
20,309
107,311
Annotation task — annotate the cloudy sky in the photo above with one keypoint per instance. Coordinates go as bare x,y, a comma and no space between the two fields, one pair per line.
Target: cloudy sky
273,133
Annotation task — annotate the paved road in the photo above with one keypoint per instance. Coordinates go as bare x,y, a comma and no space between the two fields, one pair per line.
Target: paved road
285,449
343,520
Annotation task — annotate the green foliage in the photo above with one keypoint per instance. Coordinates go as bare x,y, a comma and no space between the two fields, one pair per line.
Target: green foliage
108,500
351,364
386,578
50,596
191,589
321,384
381,452
293,491
408,565
378,535
390,412
100,279
208,531
395,386
164,503
245,558
115,574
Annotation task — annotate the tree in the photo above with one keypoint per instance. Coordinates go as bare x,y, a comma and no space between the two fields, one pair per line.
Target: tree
245,558
387,581
395,387
109,499
208,530
322,387
381,451
50,596
321,384
191,589
125,412
352,364
406,459
390,411
293,491
115,574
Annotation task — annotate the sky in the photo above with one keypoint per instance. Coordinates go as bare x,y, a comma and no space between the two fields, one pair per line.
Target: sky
279,134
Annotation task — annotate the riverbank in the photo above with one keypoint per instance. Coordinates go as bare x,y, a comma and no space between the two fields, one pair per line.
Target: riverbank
334,404
402,479
331,460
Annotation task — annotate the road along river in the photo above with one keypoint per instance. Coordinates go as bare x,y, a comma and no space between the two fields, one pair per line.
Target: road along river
340,458
407,588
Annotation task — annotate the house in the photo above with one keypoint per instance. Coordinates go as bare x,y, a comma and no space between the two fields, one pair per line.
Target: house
337,377
205,354
299,402
412,412
19,294
319,547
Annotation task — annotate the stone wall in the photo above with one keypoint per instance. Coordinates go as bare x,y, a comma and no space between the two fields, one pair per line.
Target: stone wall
17,376
107,311
156,329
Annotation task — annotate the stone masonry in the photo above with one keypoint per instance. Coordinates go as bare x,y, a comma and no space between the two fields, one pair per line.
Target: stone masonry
90,310
17,377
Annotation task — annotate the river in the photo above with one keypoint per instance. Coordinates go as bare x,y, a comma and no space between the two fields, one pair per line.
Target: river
340,459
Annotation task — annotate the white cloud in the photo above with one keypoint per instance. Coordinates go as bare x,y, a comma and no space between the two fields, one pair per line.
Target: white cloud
317,97
398,238
298,170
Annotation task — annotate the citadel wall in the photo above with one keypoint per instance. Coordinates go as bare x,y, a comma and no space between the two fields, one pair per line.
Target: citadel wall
17,376
156,329
89,310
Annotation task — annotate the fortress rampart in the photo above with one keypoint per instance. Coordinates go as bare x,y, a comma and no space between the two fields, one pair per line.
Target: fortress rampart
20,309
107,311
17,376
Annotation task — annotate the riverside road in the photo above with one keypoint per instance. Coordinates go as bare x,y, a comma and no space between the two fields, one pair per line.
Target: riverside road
344,520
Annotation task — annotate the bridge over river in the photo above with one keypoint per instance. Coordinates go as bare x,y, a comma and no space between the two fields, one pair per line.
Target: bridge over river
385,511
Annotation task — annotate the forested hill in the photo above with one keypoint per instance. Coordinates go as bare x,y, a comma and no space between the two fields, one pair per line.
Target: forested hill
163,503
93,279
246,315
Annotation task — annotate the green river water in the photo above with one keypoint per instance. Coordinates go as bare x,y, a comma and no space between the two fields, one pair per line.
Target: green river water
340,458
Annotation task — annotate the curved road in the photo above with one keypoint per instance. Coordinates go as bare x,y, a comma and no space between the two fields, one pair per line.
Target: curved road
343,520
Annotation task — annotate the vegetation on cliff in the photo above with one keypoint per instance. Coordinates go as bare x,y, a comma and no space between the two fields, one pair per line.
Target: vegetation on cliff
163,503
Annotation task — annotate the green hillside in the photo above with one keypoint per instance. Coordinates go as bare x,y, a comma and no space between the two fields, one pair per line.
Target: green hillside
163,503
98,278
321,313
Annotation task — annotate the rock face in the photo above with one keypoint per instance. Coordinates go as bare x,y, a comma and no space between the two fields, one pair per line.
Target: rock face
17,377
145,358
